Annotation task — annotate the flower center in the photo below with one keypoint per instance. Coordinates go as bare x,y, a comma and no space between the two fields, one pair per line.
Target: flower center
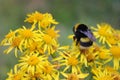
16,42
47,39
51,33
102,31
90,57
17,77
33,60
47,69
44,24
72,61
27,33
33,46
72,77
102,55
111,39
38,16
115,50
34,17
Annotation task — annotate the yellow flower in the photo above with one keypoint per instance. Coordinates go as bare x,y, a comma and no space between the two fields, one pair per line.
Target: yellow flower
12,41
32,63
115,51
103,32
34,17
102,74
35,47
21,39
104,54
47,21
74,76
50,72
111,40
28,35
15,74
47,39
8,38
72,61
69,60
15,44
114,73
89,57
117,35
49,44
53,33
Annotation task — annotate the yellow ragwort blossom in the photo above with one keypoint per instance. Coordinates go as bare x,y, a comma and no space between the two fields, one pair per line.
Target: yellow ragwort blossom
104,33
50,72
28,35
49,44
104,54
32,63
102,74
12,41
15,74
69,60
15,44
88,57
35,47
47,21
44,20
114,72
34,17
8,38
44,58
52,32
115,51
37,75
74,76
116,35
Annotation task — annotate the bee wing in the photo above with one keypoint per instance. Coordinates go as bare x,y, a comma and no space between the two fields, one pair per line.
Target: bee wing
89,34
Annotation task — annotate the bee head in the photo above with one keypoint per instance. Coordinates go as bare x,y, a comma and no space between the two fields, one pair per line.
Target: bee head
81,27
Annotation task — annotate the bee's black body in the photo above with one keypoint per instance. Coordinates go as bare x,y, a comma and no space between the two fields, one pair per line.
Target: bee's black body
81,32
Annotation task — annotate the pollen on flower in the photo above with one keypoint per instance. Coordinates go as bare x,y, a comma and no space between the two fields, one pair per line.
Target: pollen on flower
115,50
17,77
16,42
47,69
33,46
102,55
34,17
44,24
47,39
26,33
33,60
102,31
52,33
72,77
72,61
90,57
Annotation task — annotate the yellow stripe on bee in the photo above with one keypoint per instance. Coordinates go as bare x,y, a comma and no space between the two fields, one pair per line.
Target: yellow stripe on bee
76,26
84,39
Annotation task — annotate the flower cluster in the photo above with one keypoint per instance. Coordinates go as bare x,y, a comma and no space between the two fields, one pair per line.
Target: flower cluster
41,57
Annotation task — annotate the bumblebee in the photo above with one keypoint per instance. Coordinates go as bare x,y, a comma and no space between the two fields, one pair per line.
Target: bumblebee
83,36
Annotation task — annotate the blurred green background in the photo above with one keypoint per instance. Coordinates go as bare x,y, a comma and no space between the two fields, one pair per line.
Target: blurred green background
66,12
